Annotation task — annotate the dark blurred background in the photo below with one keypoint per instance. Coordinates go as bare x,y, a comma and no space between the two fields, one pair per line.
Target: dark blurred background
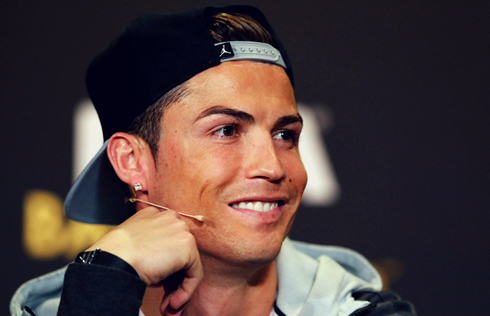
407,88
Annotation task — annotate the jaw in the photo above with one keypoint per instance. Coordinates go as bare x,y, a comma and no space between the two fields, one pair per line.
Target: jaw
243,248
237,261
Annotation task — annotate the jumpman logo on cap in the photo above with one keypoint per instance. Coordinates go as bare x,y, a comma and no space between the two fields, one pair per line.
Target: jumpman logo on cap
224,51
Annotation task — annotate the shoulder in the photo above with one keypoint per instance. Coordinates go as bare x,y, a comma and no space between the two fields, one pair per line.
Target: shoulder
86,289
383,303
350,260
41,294
331,280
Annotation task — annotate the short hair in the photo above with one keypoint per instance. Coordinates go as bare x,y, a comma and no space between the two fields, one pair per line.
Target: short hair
223,27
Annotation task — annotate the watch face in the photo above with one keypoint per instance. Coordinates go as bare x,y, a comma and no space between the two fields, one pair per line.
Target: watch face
102,258
87,257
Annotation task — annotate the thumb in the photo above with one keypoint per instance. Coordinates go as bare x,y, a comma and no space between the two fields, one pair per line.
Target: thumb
183,294
177,298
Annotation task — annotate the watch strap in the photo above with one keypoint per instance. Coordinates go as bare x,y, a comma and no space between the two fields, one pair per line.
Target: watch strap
106,259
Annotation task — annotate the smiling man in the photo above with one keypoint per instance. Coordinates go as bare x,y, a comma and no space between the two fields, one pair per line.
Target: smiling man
201,123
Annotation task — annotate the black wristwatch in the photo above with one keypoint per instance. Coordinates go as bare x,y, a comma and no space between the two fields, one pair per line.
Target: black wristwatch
102,258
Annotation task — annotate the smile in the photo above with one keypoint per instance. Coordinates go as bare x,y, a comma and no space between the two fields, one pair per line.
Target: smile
256,206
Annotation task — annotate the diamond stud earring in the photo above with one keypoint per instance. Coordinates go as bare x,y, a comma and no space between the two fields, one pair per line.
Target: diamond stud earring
138,187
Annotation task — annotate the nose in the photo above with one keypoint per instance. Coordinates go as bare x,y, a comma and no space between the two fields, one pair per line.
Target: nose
263,160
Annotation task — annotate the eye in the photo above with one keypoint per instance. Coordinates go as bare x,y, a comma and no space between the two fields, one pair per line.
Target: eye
286,135
226,131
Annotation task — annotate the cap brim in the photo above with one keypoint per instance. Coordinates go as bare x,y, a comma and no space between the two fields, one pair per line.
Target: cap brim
98,195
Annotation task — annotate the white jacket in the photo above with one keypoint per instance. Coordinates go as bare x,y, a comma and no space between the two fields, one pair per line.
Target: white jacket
313,280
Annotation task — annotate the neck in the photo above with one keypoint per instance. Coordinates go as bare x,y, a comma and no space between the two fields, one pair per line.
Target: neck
224,293
245,293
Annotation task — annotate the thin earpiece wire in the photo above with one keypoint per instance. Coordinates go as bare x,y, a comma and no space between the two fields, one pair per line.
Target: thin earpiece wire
199,218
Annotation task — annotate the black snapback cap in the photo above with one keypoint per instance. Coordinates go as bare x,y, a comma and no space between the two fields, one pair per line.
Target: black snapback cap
155,53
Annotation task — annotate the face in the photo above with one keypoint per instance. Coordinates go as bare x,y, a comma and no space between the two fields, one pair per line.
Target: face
229,151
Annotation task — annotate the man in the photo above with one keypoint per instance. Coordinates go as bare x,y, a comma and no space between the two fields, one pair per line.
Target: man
201,121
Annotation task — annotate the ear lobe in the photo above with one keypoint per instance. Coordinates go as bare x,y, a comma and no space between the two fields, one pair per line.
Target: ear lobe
129,157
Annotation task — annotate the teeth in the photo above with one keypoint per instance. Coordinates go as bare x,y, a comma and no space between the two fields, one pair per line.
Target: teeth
255,206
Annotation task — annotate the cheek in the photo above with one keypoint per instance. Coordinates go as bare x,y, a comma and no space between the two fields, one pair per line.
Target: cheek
214,168
171,177
194,169
297,177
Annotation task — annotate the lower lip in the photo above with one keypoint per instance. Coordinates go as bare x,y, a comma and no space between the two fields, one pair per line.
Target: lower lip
271,216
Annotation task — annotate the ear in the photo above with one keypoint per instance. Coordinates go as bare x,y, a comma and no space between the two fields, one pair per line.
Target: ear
132,160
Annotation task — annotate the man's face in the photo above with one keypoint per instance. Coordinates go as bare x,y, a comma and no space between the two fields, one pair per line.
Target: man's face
229,151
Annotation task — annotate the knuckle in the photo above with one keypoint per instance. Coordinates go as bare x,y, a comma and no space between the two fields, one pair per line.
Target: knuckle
147,210
182,225
185,239
172,213
189,238
190,241
179,225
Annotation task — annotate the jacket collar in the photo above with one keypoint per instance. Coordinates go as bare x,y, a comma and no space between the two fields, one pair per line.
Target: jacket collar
314,280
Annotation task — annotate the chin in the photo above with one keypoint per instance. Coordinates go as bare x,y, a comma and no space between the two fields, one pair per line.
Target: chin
252,260
243,252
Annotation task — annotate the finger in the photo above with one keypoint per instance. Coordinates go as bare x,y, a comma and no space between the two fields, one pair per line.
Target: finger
184,292
164,304
169,311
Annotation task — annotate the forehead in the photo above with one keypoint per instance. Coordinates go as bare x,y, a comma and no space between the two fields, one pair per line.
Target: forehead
247,85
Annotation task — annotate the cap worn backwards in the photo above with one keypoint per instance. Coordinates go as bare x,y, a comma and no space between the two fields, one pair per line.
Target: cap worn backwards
155,53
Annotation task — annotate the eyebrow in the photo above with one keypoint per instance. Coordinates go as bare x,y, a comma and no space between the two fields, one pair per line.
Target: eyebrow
288,119
245,117
218,109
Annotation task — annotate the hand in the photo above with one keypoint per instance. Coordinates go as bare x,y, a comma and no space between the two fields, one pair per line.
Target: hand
157,245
